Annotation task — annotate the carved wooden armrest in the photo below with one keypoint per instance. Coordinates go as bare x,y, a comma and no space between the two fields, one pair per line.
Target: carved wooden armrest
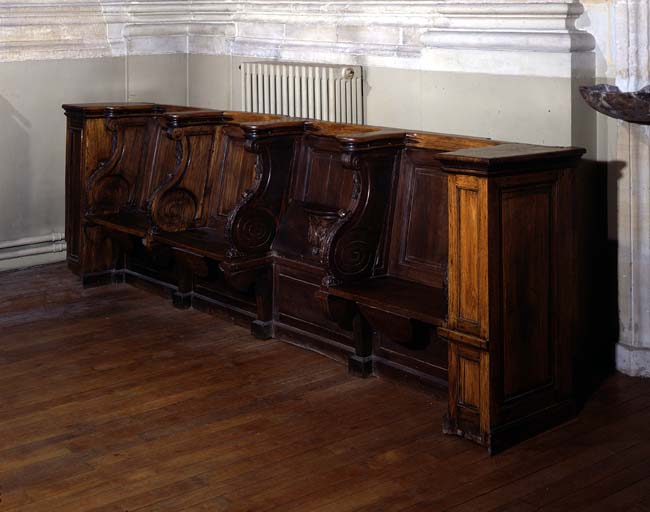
187,118
370,140
252,223
349,247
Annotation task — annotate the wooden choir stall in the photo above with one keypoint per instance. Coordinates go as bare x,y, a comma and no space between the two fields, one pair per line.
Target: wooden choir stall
443,260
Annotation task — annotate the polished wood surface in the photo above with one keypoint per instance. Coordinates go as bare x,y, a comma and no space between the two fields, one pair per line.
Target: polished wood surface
113,401
512,293
447,261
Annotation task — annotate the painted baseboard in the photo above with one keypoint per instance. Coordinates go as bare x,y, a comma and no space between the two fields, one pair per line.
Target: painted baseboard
633,361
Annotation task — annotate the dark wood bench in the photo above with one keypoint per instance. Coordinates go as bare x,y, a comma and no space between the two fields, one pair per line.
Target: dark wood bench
443,260
495,302
188,185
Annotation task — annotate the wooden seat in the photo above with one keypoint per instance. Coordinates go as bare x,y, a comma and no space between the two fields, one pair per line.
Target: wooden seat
398,297
206,242
131,223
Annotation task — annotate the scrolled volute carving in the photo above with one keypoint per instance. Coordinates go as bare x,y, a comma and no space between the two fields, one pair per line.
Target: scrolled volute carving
250,231
112,124
350,249
251,224
175,133
252,145
351,161
174,210
350,255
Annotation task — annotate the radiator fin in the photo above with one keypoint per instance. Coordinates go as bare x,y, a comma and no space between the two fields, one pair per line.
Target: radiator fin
324,92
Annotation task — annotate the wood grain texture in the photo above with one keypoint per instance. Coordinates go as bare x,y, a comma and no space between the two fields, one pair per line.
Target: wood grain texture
468,256
181,411
370,244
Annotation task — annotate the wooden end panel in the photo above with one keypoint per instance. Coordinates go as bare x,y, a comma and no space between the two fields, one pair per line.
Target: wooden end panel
527,216
88,144
468,255
74,190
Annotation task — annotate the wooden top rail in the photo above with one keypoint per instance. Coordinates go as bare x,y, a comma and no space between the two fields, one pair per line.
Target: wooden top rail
117,109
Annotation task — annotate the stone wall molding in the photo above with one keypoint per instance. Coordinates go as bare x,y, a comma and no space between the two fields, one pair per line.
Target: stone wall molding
395,33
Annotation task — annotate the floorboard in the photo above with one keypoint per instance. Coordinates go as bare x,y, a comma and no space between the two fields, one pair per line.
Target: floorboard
112,400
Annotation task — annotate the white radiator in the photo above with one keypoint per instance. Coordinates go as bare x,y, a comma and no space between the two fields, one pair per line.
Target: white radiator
314,91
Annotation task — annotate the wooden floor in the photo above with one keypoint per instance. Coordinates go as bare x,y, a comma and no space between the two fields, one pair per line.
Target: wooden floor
111,400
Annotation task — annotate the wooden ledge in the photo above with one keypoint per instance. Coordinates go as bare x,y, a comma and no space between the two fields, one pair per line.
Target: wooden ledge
445,142
508,158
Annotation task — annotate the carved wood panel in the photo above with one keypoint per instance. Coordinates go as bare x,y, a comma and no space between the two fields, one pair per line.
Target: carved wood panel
179,202
419,247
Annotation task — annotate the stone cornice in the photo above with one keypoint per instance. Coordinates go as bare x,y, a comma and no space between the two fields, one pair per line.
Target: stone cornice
394,33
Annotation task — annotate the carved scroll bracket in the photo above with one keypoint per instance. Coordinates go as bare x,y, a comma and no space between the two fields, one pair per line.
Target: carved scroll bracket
252,223
350,245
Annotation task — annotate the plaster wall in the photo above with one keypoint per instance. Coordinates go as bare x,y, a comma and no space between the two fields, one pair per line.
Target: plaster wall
32,132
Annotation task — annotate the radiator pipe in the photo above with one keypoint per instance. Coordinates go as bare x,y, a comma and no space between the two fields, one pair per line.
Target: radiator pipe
31,240
51,243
